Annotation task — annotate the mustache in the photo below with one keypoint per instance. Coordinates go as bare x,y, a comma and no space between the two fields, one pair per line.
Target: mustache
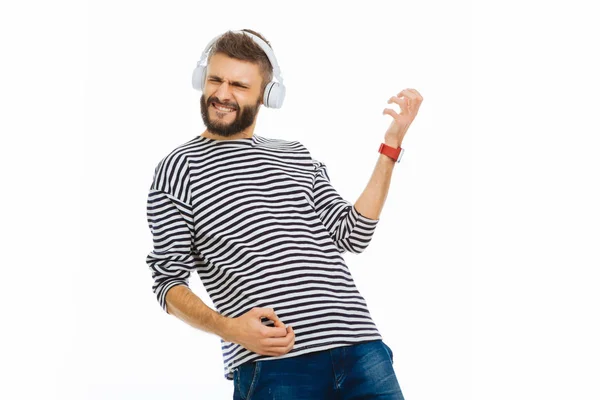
215,100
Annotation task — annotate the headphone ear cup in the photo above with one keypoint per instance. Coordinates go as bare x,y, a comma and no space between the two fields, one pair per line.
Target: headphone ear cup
198,77
274,95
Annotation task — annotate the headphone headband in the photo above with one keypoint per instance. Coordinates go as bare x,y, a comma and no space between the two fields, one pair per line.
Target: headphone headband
263,45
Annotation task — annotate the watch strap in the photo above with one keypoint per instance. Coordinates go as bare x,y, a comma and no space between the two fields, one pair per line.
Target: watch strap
395,153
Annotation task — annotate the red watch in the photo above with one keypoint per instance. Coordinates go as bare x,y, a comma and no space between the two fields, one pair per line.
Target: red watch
392,152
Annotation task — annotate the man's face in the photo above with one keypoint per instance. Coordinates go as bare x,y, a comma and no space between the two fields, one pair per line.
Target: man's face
234,86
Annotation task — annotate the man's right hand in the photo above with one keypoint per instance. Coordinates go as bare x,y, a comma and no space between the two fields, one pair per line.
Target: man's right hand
248,331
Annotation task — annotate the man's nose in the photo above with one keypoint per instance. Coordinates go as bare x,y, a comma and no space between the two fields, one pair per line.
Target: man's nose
223,92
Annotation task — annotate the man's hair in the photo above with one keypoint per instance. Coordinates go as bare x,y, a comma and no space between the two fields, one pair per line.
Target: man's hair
243,47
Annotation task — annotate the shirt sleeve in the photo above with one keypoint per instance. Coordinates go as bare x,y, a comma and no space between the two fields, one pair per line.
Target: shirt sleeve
173,257
350,230
170,219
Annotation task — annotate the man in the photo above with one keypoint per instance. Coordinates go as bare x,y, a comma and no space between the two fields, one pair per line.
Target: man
259,221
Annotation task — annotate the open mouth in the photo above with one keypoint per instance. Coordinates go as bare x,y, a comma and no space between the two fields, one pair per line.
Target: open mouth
222,108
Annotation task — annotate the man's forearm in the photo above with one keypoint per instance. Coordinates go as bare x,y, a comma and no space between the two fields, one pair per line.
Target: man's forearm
371,201
185,305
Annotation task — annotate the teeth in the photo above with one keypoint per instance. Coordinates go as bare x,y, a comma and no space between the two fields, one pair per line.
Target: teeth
221,108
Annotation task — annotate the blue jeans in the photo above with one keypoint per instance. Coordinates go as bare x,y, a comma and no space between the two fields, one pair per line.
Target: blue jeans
360,371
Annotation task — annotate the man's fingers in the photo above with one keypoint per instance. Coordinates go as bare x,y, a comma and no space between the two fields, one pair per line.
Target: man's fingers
273,317
408,93
280,341
401,101
391,112
279,328
270,314
276,320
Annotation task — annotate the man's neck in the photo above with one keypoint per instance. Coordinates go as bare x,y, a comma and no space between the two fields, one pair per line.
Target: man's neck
212,136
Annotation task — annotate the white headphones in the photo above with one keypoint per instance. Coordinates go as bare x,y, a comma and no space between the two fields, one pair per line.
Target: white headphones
274,91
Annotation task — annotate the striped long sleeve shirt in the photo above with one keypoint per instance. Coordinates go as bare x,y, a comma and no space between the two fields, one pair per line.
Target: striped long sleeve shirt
261,224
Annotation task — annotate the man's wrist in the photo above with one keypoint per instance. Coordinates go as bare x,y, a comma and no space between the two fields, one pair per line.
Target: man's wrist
393,155
393,143
226,329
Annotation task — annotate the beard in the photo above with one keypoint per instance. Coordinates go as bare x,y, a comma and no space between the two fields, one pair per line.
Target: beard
243,118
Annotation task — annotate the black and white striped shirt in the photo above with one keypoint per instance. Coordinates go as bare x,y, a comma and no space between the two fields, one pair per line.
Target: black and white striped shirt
261,224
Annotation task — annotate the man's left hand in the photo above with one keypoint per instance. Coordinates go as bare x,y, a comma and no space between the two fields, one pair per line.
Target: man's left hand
409,101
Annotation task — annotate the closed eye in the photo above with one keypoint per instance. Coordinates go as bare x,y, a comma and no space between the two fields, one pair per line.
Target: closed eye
232,83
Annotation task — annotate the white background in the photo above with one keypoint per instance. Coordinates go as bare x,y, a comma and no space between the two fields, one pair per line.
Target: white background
482,274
